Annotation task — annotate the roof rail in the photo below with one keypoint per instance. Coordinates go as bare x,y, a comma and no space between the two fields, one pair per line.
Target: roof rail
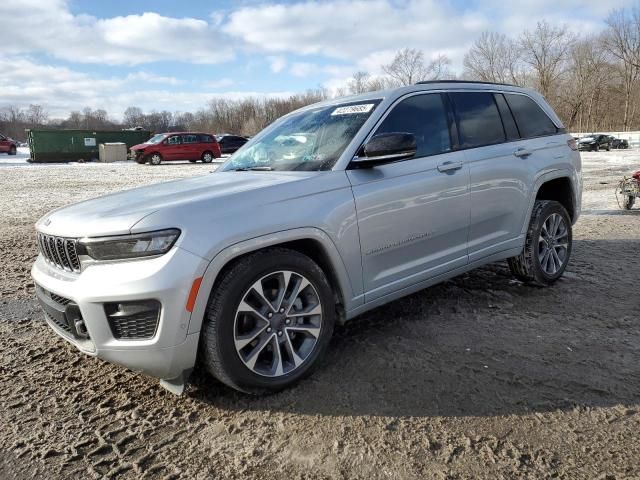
427,82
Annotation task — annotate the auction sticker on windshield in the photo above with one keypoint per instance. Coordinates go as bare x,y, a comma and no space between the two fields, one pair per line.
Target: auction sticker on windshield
351,109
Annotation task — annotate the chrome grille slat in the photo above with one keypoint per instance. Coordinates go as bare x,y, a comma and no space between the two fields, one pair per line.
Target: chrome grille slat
60,252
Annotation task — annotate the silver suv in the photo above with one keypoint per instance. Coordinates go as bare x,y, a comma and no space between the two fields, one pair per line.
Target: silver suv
333,210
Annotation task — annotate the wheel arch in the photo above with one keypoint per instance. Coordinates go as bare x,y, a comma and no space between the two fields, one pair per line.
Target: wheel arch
558,185
312,242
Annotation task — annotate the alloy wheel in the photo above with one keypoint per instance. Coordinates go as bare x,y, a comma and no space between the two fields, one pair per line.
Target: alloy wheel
277,324
553,244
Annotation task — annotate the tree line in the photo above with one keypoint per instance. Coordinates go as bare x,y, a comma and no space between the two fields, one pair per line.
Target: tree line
591,81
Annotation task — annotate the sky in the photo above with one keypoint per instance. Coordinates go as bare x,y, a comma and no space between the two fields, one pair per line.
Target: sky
176,56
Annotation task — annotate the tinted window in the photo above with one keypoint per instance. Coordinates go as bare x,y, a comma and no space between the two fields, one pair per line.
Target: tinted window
206,138
189,139
478,119
507,118
426,118
531,119
175,140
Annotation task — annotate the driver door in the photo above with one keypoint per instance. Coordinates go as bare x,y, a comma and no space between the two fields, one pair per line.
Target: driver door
413,215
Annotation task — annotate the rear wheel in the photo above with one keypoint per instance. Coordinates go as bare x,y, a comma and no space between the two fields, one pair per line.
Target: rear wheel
12,150
155,159
207,157
547,245
269,320
628,201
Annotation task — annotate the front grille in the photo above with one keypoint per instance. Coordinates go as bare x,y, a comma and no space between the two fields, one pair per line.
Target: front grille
60,252
62,312
133,320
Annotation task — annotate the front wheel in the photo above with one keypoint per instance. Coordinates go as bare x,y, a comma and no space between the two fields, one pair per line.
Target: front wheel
155,159
269,321
12,150
547,246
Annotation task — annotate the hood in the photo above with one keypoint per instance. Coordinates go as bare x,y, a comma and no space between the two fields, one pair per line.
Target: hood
587,140
140,146
117,213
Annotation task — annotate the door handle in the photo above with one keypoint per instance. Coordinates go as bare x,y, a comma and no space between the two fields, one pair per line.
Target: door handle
522,152
449,166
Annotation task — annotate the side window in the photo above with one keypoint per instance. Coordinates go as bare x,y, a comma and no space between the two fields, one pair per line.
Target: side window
206,138
174,140
189,139
531,119
479,122
424,116
508,122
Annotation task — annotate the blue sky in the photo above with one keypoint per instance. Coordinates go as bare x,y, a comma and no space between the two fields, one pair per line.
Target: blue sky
161,54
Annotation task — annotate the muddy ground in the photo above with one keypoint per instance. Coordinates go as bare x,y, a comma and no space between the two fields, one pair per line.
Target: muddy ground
480,377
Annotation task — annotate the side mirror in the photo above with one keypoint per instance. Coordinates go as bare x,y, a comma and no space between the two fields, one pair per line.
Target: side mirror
386,148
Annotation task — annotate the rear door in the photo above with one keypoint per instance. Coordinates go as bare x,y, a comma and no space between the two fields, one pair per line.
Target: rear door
192,149
413,215
499,180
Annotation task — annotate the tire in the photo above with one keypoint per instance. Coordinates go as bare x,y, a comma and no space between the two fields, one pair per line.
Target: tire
224,320
141,160
628,201
529,267
596,148
155,159
608,148
12,150
207,157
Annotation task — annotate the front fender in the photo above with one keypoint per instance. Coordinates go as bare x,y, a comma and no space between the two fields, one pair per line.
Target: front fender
234,251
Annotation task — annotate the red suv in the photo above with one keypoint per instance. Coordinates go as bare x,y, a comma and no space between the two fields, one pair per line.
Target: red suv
177,146
8,145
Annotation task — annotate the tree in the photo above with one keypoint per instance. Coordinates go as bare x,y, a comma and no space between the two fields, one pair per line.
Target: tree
622,41
545,50
408,67
494,57
133,117
36,115
359,83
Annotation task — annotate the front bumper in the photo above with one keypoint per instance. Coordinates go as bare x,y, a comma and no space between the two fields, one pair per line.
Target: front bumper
166,279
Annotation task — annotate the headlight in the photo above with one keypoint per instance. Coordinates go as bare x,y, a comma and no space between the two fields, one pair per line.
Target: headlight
129,246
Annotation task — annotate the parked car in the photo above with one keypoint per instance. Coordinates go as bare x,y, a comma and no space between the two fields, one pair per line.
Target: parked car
8,145
595,142
190,146
331,211
619,143
230,143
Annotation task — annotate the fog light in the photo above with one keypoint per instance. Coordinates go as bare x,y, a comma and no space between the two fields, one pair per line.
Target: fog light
133,320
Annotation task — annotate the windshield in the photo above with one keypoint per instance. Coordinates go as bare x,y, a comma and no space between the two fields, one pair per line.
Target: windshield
156,139
310,140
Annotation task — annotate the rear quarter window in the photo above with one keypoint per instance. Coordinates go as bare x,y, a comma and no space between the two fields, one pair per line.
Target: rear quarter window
478,119
207,138
531,119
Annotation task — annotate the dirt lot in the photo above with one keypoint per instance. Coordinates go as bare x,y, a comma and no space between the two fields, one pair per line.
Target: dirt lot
480,377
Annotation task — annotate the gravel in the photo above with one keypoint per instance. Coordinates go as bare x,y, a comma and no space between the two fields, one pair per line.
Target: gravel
478,377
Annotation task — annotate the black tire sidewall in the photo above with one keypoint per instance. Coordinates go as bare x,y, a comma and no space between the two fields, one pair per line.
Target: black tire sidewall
223,333
547,211
13,150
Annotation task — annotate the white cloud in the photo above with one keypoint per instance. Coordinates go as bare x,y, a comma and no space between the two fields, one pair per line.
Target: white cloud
277,63
60,90
222,83
48,26
152,78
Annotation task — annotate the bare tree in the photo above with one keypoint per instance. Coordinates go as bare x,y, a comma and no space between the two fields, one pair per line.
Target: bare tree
494,58
359,83
409,67
35,115
545,50
622,41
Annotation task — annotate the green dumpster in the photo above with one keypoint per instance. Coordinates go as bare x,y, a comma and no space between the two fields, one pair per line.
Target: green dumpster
49,145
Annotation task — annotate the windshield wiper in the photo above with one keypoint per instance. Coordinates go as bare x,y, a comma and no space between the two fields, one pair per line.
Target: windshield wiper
253,169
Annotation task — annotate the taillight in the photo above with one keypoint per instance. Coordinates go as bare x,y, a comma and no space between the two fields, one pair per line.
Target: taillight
573,145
